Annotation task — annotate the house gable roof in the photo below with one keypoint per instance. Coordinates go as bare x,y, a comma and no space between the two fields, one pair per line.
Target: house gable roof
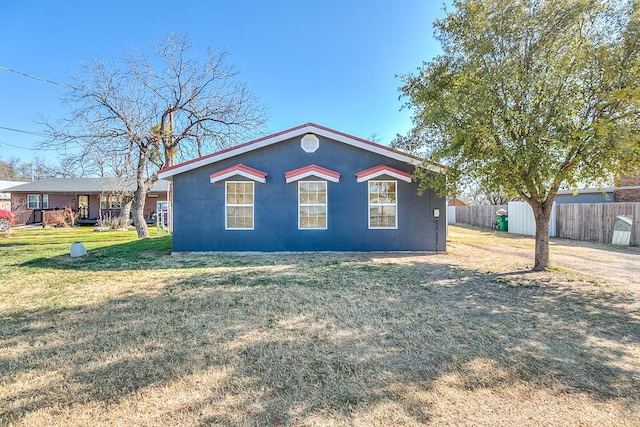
80,185
5,195
308,128
8,184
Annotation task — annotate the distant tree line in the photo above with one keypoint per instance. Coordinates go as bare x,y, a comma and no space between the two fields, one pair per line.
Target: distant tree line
14,169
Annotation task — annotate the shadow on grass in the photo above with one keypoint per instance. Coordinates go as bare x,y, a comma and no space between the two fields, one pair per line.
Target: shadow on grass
492,232
140,253
10,244
296,343
156,254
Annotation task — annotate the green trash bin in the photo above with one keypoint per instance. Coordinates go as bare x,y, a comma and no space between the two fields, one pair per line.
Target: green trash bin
502,222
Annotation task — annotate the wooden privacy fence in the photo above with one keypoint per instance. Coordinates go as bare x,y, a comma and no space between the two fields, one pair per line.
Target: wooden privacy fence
480,216
595,221
577,221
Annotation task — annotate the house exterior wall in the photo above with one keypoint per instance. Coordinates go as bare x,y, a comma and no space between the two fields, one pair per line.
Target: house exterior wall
596,197
456,202
628,180
62,200
5,197
21,214
199,206
627,195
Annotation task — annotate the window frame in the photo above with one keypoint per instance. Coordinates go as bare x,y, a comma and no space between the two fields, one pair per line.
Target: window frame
38,201
45,201
325,204
369,204
110,201
115,201
227,205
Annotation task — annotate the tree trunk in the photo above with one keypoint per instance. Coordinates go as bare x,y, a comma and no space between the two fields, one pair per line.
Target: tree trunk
542,214
125,212
139,222
140,196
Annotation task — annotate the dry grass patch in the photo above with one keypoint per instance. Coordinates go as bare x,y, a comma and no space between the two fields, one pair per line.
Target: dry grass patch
311,339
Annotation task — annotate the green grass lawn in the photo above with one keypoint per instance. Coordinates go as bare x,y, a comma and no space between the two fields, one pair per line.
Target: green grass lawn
133,335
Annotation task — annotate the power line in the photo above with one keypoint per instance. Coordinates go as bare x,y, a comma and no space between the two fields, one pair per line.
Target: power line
42,79
26,148
16,146
24,131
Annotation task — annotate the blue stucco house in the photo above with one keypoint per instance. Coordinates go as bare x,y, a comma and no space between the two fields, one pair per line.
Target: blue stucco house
309,188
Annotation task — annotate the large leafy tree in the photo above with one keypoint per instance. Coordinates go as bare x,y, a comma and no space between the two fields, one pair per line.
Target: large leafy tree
139,113
529,95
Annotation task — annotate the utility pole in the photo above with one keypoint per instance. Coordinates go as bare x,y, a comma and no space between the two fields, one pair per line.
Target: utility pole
169,149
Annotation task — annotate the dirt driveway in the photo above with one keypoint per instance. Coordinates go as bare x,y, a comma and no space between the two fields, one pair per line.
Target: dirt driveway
503,252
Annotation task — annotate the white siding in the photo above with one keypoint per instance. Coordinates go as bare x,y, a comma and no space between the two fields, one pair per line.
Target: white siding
522,221
451,214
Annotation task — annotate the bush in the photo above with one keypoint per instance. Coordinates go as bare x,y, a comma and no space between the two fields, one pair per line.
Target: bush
109,222
6,221
63,218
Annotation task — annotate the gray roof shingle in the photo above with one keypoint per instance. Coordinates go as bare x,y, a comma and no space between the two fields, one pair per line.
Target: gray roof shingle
80,185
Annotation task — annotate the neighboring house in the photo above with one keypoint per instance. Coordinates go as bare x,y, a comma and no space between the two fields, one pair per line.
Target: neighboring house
585,195
629,193
308,188
621,189
456,202
627,188
5,197
92,198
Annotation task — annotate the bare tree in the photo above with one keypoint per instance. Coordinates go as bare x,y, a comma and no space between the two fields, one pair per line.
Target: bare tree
483,192
10,170
147,110
16,170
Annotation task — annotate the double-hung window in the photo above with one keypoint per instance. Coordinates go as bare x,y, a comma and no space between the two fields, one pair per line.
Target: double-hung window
33,201
115,202
312,205
112,201
383,204
239,205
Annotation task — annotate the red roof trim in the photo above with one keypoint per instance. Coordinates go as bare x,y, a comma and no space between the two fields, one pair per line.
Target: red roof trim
243,168
379,168
293,129
311,168
373,144
235,147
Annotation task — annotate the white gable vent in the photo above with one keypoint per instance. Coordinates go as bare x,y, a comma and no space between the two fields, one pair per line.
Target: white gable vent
309,143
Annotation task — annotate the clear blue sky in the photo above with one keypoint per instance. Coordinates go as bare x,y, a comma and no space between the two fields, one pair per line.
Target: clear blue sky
329,62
